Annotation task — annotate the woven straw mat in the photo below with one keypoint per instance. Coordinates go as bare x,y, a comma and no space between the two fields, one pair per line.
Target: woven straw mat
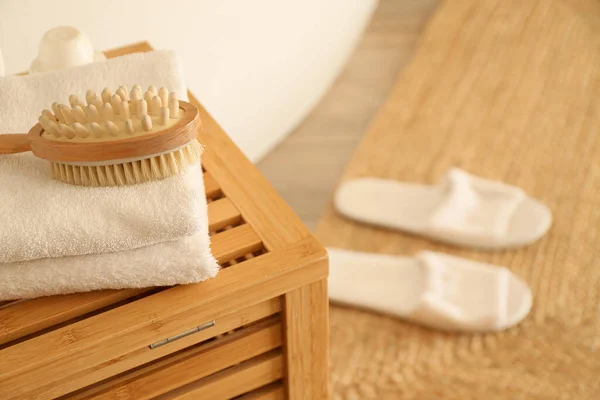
508,90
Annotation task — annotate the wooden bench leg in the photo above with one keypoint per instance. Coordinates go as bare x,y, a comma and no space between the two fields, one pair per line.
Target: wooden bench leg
306,313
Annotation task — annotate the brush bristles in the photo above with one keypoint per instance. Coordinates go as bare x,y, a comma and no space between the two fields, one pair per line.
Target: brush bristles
131,173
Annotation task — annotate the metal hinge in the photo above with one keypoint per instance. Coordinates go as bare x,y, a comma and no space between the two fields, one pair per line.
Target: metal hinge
182,334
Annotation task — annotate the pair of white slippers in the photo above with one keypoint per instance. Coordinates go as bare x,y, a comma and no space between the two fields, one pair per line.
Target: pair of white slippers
435,289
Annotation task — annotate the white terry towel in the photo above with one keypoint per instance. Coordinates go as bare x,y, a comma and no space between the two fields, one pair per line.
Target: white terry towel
42,217
58,238
185,260
22,98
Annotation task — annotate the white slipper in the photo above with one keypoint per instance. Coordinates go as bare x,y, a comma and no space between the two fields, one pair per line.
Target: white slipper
463,210
432,289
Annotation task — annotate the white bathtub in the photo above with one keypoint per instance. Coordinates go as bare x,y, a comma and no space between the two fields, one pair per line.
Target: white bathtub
259,66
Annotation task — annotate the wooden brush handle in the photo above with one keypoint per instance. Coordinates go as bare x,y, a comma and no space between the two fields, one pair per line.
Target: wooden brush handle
14,143
118,150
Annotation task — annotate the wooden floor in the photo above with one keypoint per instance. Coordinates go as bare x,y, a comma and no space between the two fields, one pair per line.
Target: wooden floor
307,165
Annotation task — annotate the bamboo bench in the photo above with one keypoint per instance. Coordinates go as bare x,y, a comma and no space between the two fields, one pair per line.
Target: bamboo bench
258,330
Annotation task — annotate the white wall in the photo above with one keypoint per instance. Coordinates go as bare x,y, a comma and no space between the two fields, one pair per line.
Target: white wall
259,66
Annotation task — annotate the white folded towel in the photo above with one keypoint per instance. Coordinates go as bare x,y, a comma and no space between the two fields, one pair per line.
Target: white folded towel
58,238
181,261
22,98
42,217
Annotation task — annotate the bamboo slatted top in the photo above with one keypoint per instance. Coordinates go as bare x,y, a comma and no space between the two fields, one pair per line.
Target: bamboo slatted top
255,237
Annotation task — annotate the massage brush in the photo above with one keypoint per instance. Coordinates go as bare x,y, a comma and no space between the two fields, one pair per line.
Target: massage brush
116,139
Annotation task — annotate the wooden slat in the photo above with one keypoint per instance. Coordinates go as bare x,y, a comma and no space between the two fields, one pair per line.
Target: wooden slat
306,325
234,381
196,363
140,47
111,348
222,213
260,205
273,391
235,243
222,325
26,317
211,187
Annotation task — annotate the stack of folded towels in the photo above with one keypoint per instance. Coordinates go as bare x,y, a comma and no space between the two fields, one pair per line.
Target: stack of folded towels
57,238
